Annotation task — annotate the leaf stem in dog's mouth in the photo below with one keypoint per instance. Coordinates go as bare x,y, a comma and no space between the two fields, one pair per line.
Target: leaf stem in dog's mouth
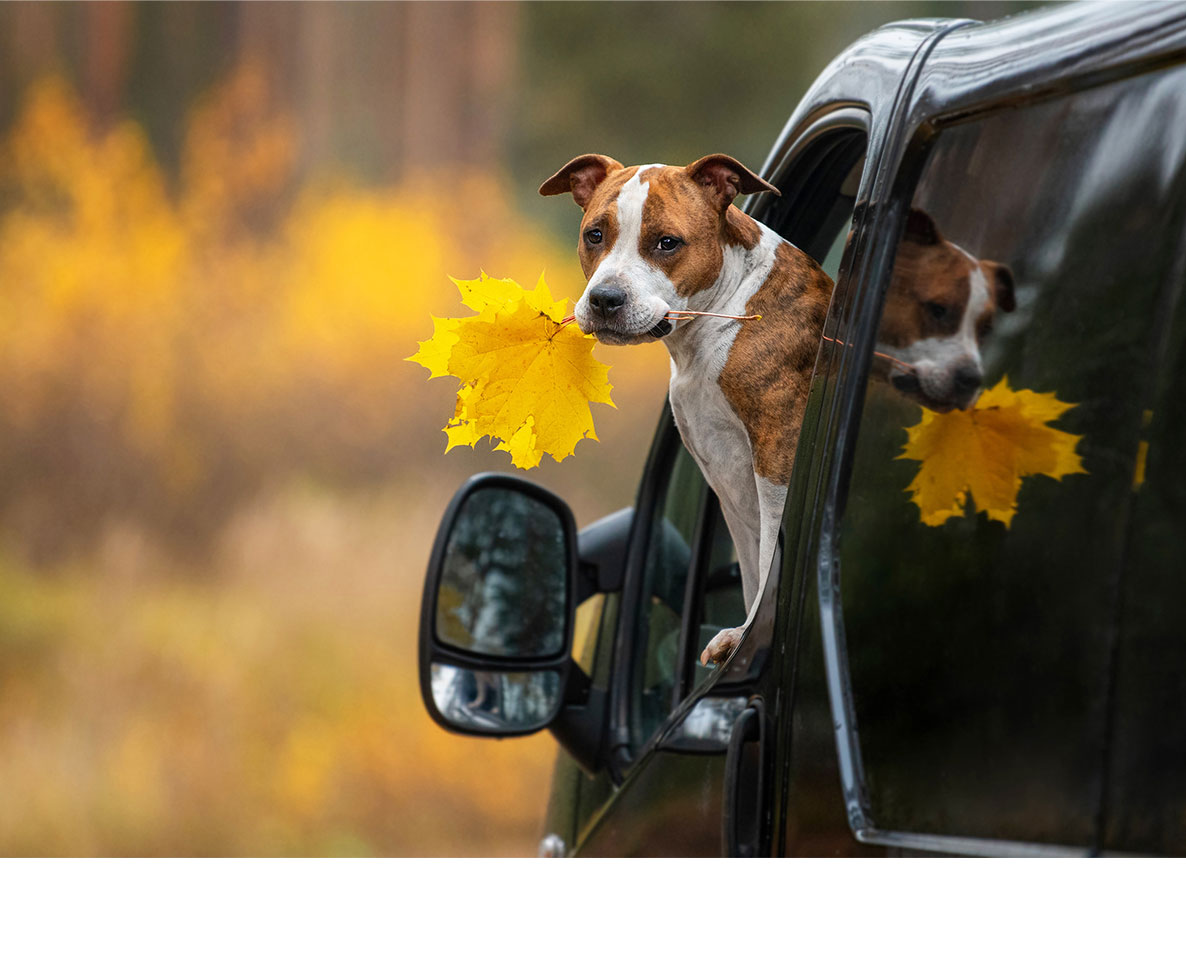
663,328
682,315
685,315
672,317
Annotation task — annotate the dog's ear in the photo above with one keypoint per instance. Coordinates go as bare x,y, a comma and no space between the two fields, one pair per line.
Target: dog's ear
726,178
1002,281
581,177
921,229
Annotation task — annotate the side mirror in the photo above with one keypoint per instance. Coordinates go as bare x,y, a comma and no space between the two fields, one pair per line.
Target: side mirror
496,620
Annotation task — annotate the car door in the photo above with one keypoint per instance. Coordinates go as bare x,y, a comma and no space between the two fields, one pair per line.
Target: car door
690,752
1007,679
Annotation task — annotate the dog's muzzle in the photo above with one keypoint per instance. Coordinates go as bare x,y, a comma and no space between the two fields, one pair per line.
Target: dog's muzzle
661,329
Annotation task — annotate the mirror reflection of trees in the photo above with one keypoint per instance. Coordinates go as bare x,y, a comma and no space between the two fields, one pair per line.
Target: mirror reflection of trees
484,701
504,583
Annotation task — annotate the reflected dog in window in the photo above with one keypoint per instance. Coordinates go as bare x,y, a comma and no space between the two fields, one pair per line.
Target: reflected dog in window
939,310
740,310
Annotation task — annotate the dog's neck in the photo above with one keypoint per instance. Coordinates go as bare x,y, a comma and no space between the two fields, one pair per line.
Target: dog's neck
744,268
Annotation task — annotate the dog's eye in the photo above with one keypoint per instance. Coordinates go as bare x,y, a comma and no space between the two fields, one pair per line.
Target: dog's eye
593,237
668,243
936,311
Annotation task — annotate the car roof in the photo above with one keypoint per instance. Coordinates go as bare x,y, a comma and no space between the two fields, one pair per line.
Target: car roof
952,68
1045,52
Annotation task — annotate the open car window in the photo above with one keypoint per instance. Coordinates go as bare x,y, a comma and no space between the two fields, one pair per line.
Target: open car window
692,583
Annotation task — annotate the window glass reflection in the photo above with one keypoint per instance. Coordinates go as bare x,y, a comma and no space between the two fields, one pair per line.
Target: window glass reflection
504,585
722,604
709,723
1040,249
669,557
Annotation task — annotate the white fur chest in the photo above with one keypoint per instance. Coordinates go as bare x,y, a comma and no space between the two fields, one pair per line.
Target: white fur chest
710,427
712,430
718,441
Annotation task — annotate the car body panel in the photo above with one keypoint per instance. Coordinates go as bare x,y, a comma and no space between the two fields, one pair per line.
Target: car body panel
1034,64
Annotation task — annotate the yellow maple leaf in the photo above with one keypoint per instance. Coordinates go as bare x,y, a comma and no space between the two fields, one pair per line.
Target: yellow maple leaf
527,379
984,453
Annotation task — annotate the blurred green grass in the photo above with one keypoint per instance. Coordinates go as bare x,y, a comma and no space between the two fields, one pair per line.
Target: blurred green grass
269,708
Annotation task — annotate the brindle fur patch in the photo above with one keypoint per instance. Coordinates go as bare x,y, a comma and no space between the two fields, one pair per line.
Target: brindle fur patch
740,229
676,206
768,373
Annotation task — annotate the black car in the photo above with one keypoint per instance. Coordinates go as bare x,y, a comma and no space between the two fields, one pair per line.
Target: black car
987,685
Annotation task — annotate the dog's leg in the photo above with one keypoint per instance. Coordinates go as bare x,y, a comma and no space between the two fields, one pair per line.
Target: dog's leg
747,544
771,499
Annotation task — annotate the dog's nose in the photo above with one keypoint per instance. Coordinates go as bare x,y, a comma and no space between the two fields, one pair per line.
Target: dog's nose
607,300
907,383
967,379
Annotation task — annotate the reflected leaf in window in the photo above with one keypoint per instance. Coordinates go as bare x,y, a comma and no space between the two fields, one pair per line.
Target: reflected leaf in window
979,456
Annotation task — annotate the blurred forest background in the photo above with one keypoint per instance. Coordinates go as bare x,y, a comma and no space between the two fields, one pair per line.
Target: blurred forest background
222,228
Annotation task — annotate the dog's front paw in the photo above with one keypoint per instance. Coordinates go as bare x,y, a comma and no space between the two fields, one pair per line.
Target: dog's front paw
720,646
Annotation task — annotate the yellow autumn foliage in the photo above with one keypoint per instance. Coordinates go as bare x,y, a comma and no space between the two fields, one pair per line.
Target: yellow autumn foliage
982,454
209,356
207,363
172,345
527,378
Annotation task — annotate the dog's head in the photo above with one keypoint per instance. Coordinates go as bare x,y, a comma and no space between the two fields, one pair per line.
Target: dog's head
938,311
652,237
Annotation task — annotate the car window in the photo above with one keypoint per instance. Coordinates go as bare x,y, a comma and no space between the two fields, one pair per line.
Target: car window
688,533
670,548
1015,507
1145,797
720,603
842,207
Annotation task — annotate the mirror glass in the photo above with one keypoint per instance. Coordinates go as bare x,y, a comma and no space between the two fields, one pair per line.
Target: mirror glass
504,582
477,700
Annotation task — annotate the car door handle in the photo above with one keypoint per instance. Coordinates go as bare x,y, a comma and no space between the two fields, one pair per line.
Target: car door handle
745,782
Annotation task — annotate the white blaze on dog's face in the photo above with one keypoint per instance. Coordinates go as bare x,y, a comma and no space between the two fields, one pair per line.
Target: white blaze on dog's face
652,238
938,311
628,296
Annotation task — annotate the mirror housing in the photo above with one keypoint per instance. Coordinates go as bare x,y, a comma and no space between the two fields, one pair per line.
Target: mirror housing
496,618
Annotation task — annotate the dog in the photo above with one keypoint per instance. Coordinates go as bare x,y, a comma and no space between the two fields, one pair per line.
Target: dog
939,309
667,256
660,246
